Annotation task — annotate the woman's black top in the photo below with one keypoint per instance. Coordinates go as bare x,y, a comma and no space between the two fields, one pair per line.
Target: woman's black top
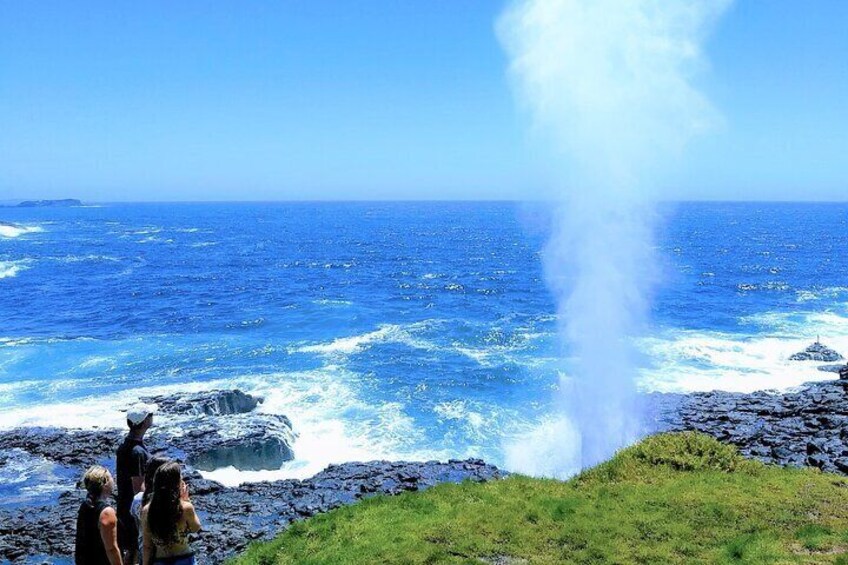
89,548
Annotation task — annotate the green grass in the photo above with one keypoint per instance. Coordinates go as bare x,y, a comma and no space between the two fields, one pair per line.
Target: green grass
673,498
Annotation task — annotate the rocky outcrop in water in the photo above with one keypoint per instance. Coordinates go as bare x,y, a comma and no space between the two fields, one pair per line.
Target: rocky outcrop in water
212,403
817,352
251,443
223,431
219,432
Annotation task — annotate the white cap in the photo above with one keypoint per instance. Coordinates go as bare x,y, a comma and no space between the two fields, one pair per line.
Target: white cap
138,412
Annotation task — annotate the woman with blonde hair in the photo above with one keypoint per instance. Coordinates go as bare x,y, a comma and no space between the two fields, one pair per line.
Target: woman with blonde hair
168,519
97,522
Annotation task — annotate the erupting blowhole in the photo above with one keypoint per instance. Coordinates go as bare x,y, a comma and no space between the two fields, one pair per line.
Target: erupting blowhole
609,82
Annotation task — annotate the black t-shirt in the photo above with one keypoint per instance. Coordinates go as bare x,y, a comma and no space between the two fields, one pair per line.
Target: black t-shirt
132,461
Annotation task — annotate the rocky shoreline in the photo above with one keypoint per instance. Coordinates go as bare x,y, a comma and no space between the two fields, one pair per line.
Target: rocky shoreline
225,430
219,428
805,427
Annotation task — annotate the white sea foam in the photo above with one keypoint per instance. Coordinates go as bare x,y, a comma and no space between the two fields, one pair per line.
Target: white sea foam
527,450
8,230
702,361
468,413
91,257
146,231
800,323
501,346
332,421
831,292
23,341
10,269
30,477
387,333
155,239
332,302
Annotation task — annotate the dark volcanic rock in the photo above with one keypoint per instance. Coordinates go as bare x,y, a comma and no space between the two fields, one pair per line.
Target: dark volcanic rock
234,517
817,352
807,427
72,448
263,442
213,403
208,431
251,442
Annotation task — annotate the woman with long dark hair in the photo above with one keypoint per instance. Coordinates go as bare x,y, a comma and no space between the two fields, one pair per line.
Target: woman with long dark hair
142,499
168,519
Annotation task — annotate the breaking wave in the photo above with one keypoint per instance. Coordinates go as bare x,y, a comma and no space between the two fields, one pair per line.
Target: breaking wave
9,269
10,230
387,333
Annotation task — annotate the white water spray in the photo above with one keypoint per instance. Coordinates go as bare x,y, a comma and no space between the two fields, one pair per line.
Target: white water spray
609,83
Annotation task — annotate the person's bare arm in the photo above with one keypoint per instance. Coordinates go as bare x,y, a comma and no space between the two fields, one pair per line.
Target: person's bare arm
137,484
109,534
191,518
147,540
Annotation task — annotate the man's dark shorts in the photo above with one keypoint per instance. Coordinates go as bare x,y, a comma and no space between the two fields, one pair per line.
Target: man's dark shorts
127,531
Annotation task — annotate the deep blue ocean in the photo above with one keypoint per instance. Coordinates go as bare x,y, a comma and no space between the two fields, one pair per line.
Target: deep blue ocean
385,330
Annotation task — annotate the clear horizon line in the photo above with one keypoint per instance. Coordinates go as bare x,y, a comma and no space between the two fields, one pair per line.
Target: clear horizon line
13,201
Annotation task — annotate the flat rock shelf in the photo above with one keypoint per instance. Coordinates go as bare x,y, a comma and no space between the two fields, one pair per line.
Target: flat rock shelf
805,427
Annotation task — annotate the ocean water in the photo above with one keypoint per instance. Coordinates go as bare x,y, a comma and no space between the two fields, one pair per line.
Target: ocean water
383,330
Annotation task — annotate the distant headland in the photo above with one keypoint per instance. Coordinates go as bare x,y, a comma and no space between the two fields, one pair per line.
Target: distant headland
61,203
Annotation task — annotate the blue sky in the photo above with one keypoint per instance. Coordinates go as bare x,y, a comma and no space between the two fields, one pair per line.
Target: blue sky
374,99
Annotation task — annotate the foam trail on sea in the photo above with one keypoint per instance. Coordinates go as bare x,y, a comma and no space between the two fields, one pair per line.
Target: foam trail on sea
9,269
386,333
608,82
10,231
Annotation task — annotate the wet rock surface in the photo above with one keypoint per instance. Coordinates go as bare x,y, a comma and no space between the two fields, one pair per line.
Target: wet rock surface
250,442
213,403
833,368
232,516
806,427
254,442
817,352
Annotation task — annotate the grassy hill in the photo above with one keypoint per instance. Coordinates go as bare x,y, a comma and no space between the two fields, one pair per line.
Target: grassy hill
673,498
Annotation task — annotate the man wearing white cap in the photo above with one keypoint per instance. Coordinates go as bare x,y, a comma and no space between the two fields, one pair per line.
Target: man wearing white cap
131,463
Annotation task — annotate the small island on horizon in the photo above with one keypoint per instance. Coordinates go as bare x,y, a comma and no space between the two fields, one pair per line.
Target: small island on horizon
58,203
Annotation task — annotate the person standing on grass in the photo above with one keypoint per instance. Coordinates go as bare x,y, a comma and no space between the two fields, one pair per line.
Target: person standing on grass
97,523
130,466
